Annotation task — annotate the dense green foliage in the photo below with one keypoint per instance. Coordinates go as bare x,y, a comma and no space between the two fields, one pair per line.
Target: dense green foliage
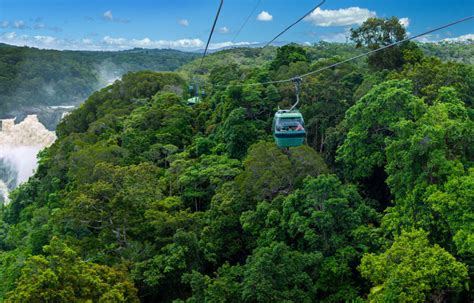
143,198
410,259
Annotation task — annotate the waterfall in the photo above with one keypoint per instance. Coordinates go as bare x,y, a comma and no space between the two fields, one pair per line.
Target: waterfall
4,193
19,145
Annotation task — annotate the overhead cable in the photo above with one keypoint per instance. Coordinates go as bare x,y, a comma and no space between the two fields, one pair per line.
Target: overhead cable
355,57
246,20
294,23
211,33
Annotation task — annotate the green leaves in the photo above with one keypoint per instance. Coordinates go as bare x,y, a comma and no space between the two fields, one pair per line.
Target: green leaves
199,181
306,245
269,172
454,202
412,270
111,208
278,273
238,133
422,156
198,205
288,54
63,276
371,124
375,33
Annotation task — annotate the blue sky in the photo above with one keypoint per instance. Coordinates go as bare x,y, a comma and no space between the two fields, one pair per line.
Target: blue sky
185,24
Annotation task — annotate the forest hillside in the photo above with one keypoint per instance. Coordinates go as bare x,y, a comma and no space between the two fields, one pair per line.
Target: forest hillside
144,198
32,77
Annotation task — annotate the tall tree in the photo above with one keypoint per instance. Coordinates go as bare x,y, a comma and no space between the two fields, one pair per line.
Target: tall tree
62,276
413,270
422,157
375,33
289,54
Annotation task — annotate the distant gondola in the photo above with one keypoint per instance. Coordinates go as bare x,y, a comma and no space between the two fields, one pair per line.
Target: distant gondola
194,91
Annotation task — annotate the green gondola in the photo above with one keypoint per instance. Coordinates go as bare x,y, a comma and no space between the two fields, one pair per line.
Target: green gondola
193,101
288,125
288,128
196,93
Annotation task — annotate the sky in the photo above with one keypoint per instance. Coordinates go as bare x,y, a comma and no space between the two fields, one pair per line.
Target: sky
185,24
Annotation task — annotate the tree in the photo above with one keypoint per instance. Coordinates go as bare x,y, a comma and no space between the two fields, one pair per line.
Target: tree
370,123
166,121
422,157
226,285
375,33
278,273
453,201
431,74
238,133
412,270
111,207
162,274
308,243
288,54
268,172
325,100
199,181
62,276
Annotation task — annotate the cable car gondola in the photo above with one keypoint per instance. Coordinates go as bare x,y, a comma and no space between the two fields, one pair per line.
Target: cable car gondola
194,91
288,128
288,125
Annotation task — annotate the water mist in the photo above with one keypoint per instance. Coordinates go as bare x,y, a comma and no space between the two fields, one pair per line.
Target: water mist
19,146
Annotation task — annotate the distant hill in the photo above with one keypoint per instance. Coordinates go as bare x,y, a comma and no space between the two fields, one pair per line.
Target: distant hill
253,54
462,52
32,78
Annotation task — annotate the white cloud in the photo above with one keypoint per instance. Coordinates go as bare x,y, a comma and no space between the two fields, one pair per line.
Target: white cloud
430,38
264,16
463,38
182,44
39,26
405,22
108,16
224,30
19,24
436,38
108,43
340,17
55,29
45,40
230,44
9,36
183,22
337,37
33,41
123,43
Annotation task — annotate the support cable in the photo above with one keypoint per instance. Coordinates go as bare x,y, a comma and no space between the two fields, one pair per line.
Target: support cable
353,58
294,23
246,20
211,33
